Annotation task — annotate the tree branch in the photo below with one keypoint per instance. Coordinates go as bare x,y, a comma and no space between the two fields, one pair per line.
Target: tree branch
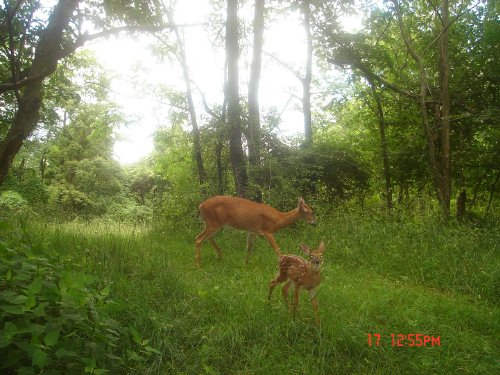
446,27
79,42
284,65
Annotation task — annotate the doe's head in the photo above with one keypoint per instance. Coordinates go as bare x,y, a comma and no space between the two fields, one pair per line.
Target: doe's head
306,212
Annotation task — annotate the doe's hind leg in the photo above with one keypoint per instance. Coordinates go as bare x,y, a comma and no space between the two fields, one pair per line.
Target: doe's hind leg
206,233
216,247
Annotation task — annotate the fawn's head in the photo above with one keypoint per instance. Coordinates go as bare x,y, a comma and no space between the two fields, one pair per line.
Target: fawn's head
315,257
306,212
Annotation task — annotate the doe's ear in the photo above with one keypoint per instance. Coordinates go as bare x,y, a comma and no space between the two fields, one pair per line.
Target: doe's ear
305,248
301,202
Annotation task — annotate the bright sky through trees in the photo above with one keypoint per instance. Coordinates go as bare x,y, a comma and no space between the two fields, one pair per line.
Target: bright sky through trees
136,71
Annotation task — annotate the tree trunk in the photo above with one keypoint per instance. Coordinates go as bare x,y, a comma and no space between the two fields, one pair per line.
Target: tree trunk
48,53
383,148
432,134
306,81
492,192
445,111
218,148
20,171
192,111
461,202
43,166
236,153
254,139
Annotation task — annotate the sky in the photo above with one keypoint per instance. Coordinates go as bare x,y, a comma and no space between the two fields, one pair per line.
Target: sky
133,68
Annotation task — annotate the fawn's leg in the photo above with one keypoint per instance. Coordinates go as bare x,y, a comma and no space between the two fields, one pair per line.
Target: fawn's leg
279,279
284,291
314,300
295,300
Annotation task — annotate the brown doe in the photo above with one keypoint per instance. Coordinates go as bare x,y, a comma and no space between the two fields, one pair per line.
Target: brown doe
255,218
303,274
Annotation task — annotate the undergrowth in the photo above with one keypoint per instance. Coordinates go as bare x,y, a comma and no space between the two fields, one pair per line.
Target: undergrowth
381,276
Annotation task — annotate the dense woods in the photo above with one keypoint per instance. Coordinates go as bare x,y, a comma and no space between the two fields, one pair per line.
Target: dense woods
414,117
400,125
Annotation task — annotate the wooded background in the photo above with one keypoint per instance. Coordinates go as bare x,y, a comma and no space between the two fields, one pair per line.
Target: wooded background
415,118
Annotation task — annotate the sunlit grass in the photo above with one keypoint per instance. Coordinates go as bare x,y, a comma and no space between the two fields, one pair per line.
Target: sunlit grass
386,277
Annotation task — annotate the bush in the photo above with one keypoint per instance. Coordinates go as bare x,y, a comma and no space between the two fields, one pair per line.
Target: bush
64,198
28,184
129,211
13,202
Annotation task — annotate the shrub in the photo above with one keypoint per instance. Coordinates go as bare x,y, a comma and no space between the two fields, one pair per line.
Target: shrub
129,211
28,184
13,202
64,198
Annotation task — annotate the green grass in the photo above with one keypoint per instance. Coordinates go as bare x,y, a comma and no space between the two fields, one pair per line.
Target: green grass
380,276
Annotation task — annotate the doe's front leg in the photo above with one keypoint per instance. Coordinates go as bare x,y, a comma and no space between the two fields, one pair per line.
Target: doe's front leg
250,244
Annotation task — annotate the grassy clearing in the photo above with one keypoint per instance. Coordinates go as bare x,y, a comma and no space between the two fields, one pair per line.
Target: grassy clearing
385,277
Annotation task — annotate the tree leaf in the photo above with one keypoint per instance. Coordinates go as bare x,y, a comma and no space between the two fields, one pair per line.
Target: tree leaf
15,299
40,358
36,286
7,334
105,291
16,310
52,337
135,335
64,352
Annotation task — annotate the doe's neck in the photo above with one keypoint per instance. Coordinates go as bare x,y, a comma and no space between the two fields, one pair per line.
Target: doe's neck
288,218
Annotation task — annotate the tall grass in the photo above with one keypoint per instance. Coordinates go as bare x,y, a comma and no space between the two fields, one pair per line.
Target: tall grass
380,276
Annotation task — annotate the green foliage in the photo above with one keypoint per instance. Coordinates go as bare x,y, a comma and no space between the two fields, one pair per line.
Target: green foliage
98,176
335,169
173,161
12,201
65,199
134,12
28,184
143,183
81,174
130,211
57,320
377,56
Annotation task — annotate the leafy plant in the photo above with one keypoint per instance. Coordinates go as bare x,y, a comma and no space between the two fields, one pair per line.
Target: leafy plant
11,201
27,184
55,320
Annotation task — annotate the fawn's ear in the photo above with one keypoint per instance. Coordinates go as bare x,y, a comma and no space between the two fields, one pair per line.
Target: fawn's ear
305,249
321,248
